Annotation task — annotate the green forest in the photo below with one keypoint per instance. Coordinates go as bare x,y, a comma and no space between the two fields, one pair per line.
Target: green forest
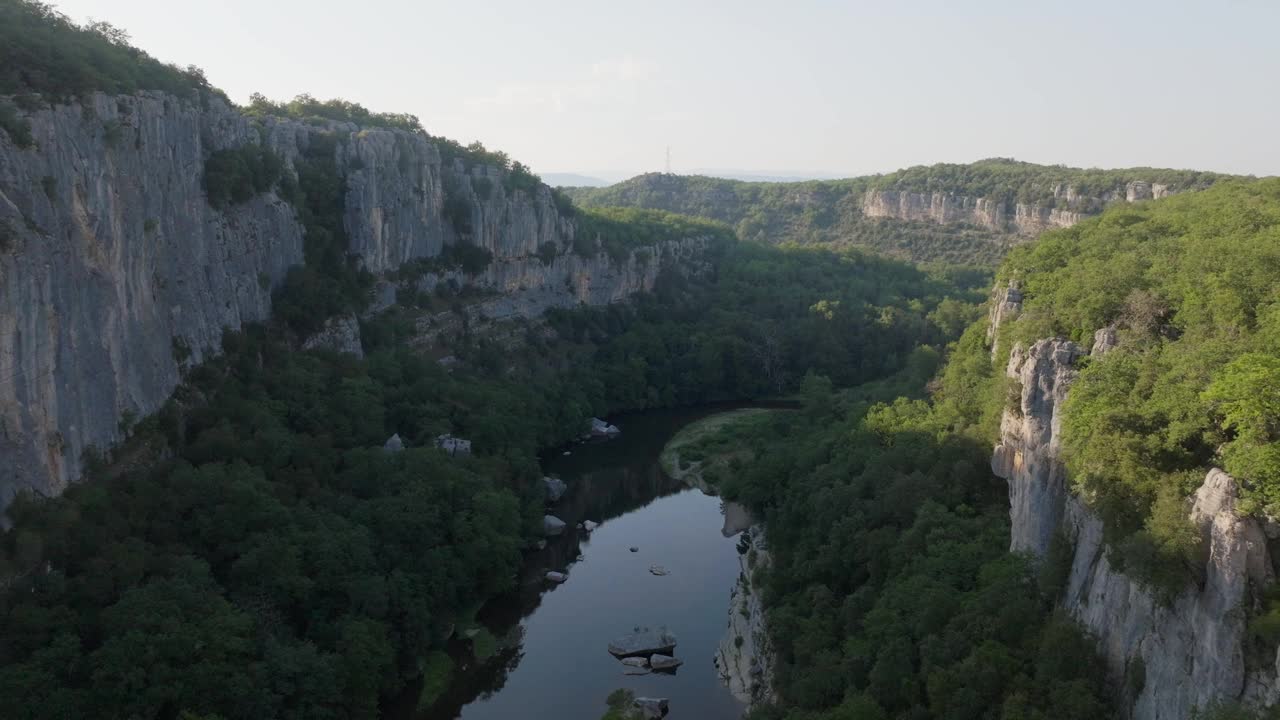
829,212
254,549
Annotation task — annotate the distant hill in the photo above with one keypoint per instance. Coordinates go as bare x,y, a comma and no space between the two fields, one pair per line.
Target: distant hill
971,213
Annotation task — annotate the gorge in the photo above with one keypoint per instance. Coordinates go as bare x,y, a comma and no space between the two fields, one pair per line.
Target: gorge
282,385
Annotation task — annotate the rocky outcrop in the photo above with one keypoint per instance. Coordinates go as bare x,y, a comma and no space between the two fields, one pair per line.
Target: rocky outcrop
116,272
1189,652
1005,304
643,642
341,334
1069,208
744,658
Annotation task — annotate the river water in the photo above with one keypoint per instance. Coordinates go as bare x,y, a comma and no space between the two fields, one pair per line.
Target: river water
555,663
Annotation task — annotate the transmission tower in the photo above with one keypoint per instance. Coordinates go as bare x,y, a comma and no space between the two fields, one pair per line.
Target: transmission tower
668,159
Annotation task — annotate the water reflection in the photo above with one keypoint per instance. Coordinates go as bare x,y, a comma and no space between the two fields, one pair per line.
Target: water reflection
565,669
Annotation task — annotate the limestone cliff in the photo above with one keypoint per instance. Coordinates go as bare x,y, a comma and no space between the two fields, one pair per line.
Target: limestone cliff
1186,654
116,272
1026,219
745,657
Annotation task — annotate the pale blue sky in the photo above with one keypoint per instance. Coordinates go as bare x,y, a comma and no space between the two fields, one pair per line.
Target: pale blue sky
834,87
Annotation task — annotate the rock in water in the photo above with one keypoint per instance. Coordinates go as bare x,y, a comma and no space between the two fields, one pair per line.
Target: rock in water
555,488
631,670
659,570
557,577
635,549
600,428
652,708
394,444
665,662
643,642
588,525
552,525
635,662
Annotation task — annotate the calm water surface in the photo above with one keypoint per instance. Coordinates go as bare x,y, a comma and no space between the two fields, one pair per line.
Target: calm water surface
556,664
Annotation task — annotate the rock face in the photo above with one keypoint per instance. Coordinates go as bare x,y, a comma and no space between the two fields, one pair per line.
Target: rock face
1005,304
1022,219
1190,652
746,666
340,334
115,272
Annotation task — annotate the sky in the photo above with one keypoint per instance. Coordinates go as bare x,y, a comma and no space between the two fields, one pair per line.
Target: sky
772,87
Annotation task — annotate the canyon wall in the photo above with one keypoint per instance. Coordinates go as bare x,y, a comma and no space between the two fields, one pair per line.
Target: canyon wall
1184,654
1021,219
116,272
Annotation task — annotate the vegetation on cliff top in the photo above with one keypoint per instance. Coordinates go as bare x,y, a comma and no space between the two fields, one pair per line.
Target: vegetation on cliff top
830,211
1190,285
44,53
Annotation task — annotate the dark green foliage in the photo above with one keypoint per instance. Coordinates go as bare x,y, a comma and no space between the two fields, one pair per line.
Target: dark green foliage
890,591
18,128
43,52
330,282
458,211
306,107
313,572
618,231
236,175
520,177
754,332
473,259
547,252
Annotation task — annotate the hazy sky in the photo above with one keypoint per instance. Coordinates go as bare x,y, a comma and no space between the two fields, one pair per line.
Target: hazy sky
776,85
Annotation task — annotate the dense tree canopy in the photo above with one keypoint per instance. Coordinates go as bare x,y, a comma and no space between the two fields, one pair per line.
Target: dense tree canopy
1190,285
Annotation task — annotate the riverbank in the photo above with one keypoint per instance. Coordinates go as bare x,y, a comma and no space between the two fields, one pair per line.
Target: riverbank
703,451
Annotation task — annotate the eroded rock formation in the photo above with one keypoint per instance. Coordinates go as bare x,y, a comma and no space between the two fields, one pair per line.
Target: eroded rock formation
116,272
1188,653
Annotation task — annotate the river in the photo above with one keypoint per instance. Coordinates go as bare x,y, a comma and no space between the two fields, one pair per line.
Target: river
555,662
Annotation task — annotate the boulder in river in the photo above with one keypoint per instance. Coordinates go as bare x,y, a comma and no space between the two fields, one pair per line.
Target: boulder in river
635,662
556,577
652,708
552,525
665,662
589,525
659,570
555,488
643,642
635,549
635,670
600,428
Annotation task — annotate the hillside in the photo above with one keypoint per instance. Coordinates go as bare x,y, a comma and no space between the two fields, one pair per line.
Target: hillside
952,213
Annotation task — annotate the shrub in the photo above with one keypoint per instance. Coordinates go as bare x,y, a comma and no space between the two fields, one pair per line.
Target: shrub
18,128
236,175
547,252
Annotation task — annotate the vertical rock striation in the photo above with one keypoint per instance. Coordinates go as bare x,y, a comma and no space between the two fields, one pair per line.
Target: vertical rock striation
745,656
1189,652
115,271
1026,219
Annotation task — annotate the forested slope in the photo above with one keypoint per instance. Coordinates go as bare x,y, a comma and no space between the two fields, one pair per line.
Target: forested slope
967,213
